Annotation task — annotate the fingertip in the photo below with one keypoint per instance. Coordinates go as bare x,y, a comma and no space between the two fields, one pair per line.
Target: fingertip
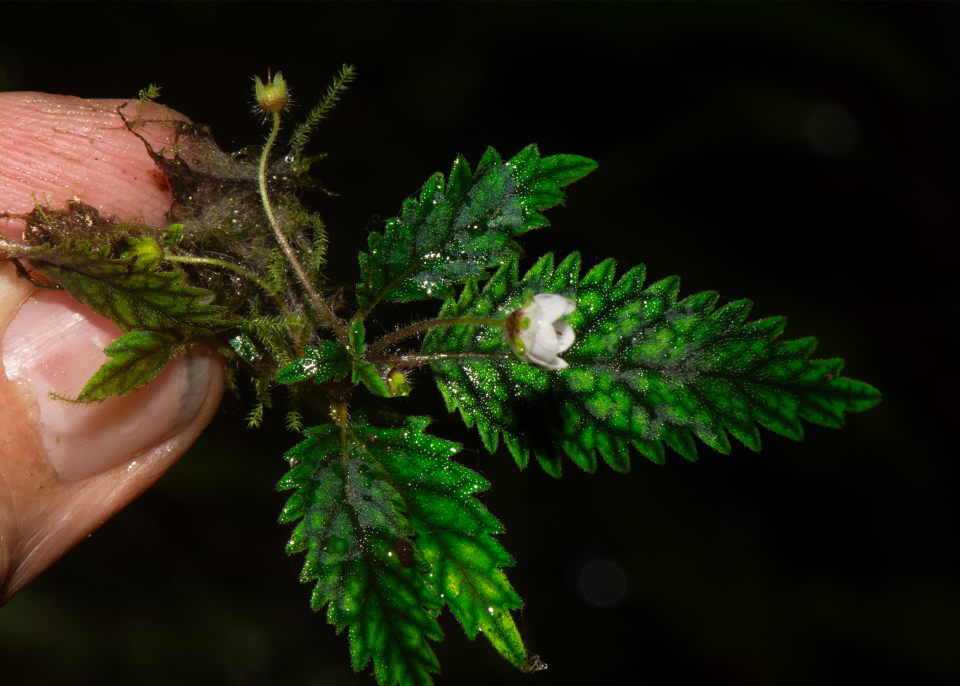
55,344
56,147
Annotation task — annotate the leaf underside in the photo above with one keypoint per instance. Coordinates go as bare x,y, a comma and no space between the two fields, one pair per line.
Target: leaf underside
137,357
646,370
392,532
158,313
460,229
131,292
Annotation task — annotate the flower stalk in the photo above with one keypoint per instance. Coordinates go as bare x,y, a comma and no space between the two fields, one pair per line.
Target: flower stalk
269,106
420,327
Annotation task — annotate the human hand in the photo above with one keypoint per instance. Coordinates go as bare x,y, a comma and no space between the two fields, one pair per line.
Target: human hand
65,469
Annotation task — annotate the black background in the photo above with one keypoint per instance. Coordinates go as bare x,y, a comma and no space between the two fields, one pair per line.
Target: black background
801,155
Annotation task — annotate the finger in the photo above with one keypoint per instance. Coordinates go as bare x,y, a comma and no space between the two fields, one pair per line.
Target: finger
54,344
65,470
113,452
55,147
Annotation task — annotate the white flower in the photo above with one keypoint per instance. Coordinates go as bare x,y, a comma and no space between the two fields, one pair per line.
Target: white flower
536,335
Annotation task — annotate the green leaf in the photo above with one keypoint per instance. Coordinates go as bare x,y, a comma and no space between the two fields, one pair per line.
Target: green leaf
393,531
244,346
454,532
367,374
364,372
357,336
328,361
129,290
138,356
173,234
645,370
351,523
453,233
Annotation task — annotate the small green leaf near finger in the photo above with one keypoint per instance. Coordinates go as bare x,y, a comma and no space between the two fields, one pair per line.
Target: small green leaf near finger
137,357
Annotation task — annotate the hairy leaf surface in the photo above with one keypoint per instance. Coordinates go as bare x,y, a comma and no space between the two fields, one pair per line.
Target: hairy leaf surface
129,290
328,361
392,532
454,533
458,230
646,370
244,346
138,356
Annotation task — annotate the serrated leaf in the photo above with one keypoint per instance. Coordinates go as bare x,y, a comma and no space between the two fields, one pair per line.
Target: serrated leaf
453,233
393,531
352,521
646,370
129,290
454,531
326,362
138,356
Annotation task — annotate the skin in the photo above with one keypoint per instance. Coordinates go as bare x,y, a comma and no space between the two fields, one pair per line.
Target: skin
66,470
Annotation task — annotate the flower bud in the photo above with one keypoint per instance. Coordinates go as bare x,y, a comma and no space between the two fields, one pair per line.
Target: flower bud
272,96
145,250
397,383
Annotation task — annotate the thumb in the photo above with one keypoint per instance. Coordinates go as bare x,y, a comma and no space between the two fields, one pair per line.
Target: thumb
65,470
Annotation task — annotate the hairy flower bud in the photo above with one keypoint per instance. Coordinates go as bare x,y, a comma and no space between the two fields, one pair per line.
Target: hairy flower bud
272,96
145,250
397,383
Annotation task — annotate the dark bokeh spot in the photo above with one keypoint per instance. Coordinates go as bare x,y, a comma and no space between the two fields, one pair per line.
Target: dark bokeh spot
832,131
603,583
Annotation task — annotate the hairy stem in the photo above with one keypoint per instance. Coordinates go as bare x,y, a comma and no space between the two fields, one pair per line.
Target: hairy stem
322,308
246,273
419,327
418,360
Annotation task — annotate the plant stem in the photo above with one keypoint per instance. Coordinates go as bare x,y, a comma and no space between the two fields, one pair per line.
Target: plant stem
417,360
246,273
322,308
420,327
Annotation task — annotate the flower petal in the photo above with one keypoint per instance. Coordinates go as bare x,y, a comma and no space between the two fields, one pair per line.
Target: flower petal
546,345
547,362
553,365
565,335
553,306
528,338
